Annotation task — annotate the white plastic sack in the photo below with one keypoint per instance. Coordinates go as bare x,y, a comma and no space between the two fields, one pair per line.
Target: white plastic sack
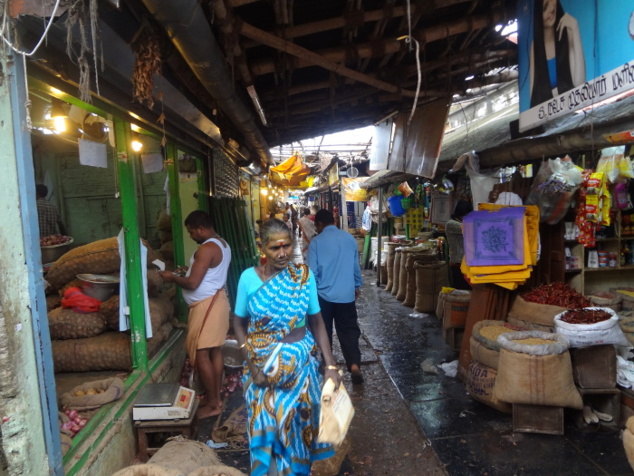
624,372
585,335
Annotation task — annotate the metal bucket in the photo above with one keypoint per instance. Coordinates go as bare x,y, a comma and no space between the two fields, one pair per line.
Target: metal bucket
98,286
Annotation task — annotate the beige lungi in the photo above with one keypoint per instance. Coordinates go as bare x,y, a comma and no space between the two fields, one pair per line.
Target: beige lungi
216,326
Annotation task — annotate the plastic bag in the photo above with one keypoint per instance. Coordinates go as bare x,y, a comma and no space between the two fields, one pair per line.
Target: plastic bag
613,164
555,184
76,300
336,414
599,333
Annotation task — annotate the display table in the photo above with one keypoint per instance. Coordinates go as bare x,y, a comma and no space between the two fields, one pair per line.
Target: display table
186,427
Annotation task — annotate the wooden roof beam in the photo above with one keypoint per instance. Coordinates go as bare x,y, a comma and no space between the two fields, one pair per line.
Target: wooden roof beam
365,50
287,47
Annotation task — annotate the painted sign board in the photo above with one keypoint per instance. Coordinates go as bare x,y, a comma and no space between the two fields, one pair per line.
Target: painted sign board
572,54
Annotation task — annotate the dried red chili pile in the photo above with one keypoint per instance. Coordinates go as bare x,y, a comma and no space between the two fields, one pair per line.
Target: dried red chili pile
557,294
585,316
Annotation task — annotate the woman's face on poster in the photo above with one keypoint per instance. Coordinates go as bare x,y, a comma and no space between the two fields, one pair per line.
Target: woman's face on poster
549,11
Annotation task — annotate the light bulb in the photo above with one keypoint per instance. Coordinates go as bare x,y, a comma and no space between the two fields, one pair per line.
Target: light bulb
136,145
60,123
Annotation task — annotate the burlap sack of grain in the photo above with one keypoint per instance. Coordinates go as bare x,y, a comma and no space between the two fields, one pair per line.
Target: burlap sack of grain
161,311
486,332
430,278
148,470
480,384
164,222
542,314
410,286
536,374
218,470
165,236
68,324
184,455
628,440
73,283
456,307
109,311
391,252
53,301
99,257
483,355
402,277
108,351
167,250
112,389
154,283
396,272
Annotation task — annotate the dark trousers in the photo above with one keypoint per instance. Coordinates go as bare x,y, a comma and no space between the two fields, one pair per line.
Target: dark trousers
344,316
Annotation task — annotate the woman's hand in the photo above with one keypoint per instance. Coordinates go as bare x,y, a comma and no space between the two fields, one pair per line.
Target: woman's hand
334,375
259,378
567,22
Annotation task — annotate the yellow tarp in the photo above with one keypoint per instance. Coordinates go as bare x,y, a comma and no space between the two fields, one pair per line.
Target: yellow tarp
290,172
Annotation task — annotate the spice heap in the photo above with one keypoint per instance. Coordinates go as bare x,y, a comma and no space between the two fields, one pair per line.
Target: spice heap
557,294
585,316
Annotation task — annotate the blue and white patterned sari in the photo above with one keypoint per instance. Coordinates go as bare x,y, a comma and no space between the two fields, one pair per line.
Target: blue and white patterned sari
283,419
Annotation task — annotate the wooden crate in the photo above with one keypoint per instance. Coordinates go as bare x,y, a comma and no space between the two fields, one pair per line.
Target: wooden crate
594,367
605,400
538,419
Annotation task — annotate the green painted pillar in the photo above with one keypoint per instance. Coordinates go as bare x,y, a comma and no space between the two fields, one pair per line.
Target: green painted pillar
129,212
203,195
176,215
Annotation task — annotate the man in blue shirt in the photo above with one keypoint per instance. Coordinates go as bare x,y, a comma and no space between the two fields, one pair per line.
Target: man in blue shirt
333,257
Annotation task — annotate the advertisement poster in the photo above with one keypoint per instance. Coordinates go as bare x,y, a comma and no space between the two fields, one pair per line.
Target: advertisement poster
572,54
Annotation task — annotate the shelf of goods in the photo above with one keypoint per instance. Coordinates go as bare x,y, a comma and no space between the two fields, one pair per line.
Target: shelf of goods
611,265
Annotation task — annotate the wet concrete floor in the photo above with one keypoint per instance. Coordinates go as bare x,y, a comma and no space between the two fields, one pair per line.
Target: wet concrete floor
411,423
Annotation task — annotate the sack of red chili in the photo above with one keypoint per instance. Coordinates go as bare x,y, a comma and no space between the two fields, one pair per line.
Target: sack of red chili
589,326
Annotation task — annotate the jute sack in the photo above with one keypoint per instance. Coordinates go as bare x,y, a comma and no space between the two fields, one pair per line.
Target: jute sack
536,374
479,353
68,324
161,310
440,306
112,390
217,470
109,311
98,257
410,287
430,278
456,307
488,338
167,250
542,314
396,272
402,277
108,351
391,252
184,455
628,440
164,222
147,470
480,384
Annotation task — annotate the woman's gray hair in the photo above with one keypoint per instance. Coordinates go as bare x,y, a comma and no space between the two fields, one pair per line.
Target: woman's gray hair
273,227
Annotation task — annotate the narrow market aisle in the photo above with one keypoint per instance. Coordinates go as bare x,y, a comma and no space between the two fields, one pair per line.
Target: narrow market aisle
470,438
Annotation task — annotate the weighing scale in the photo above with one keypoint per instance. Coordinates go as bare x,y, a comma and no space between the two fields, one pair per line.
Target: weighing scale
163,401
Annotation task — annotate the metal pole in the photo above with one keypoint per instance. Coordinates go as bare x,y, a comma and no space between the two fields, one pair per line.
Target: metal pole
378,238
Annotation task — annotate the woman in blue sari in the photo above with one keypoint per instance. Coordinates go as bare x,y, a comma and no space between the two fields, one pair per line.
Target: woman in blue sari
280,330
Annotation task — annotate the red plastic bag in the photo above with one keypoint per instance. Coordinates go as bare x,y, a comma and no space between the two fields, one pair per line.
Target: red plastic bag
76,300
